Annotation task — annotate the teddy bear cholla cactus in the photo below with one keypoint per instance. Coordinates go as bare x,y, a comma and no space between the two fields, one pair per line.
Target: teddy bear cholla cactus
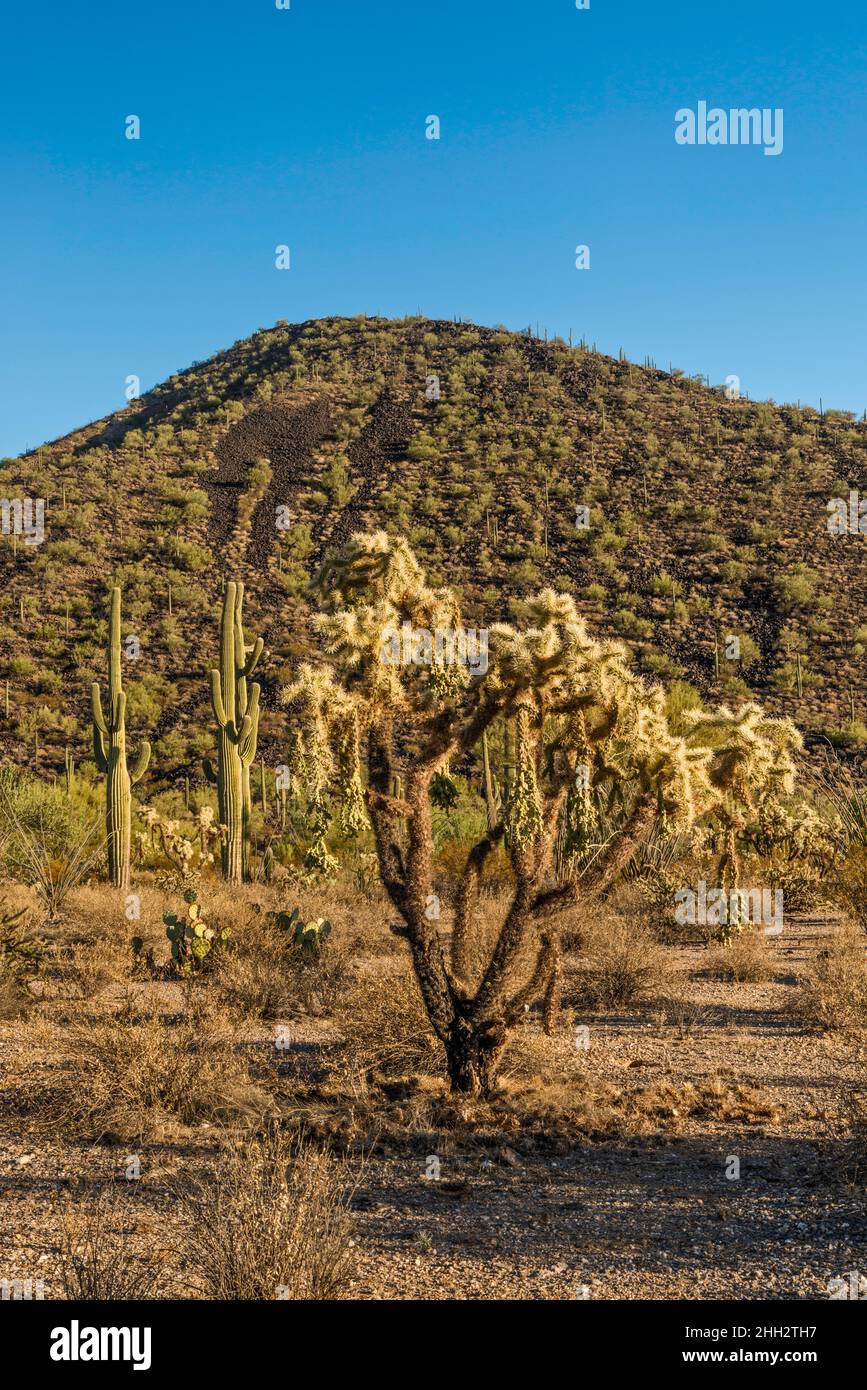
567,694
753,773
176,846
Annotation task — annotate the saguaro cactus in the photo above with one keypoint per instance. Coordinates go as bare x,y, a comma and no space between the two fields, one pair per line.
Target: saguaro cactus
237,715
109,748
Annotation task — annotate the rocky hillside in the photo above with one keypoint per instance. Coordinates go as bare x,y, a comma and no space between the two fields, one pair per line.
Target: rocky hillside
681,519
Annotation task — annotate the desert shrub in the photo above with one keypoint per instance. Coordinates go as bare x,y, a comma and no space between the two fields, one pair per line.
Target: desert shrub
533,1055
35,807
845,1127
384,1023
797,588
274,1222
95,1258
87,968
831,994
747,959
139,1075
20,960
269,975
44,843
678,1009
624,964
849,883
257,982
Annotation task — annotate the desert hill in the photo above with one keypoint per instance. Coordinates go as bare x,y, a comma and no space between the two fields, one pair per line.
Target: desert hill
680,518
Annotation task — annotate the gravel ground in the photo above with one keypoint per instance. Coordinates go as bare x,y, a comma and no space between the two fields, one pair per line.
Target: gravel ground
657,1215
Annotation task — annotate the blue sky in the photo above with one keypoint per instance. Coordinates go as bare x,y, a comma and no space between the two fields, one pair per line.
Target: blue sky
306,127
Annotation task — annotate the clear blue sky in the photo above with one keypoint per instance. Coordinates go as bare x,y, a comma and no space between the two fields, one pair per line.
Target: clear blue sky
307,127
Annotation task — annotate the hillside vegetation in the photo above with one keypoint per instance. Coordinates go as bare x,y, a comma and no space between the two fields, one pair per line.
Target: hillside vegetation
707,521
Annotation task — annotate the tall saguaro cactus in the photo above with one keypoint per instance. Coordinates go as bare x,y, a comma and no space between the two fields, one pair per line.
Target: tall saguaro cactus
109,747
237,714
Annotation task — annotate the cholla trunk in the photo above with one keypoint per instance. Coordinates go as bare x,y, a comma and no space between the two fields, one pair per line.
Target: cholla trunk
473,1058
553,990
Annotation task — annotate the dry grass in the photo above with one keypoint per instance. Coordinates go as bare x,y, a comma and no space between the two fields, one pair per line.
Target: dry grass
96,1262
832,993
534,1055
255,978
274,1223
265,976
746,960
528,1113
678,1010
557,1115
142,1075
13,1002
623,965
383,1020
84,969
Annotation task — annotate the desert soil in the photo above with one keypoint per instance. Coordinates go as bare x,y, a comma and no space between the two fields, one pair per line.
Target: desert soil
651,1215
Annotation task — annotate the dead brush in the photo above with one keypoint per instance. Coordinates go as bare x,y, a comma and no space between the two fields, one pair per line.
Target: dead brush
83,969
385,1026
96,1260
532,1053
846,1140
747,959
255,979
267,976
20,963
623,965
531,1110
680,1011
831,993
534,1116
274,1222
556,1116
141,1075
13,1001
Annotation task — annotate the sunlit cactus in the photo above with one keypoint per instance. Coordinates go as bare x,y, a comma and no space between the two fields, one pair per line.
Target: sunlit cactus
573,701
109,748
236,709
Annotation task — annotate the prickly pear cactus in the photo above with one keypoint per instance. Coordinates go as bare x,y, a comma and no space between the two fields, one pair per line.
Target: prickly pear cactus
192,938
310,936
